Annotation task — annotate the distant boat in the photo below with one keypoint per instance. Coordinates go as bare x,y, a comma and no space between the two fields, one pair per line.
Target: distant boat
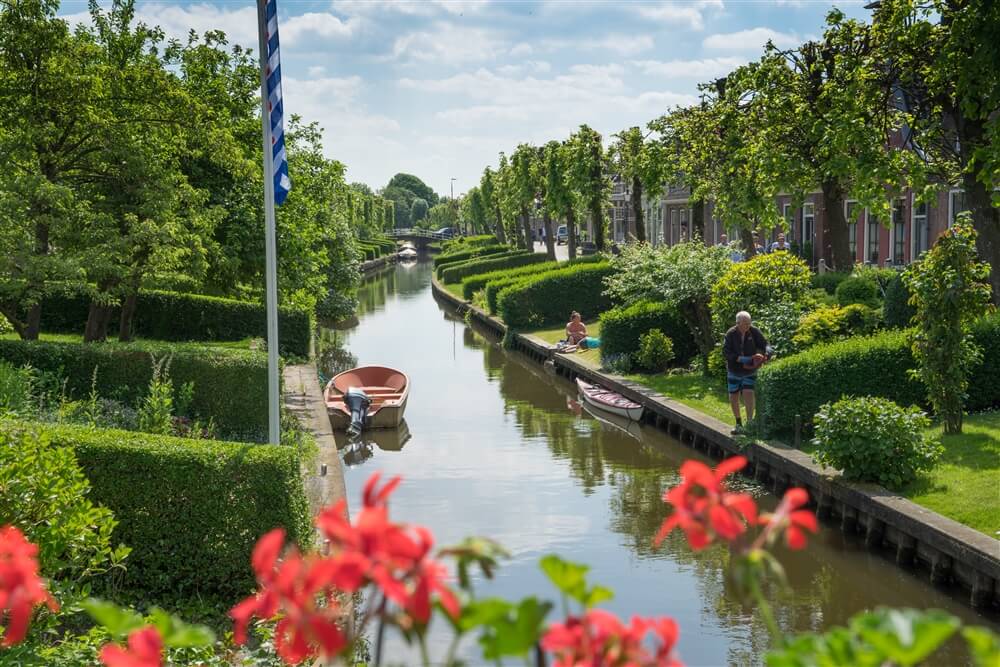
609,401
408,254
367,397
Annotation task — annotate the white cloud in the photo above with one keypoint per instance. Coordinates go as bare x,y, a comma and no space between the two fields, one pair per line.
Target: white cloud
450,44
409,7
677,13
319,24
239,24
619,43
696,69
750,40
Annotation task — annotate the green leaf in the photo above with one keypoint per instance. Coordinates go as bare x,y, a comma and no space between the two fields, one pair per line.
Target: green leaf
906,636
984,645
568,577
118,621
178,634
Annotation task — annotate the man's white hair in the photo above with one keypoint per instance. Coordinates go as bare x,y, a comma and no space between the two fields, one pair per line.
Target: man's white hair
742,316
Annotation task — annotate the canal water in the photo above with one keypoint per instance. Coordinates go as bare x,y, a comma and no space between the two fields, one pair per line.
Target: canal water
495,446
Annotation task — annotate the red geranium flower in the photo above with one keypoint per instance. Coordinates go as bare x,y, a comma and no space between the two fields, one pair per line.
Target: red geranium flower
703,509
145,649
21,588
599,638
791,519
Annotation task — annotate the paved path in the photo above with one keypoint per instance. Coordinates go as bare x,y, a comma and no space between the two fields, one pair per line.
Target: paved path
303,396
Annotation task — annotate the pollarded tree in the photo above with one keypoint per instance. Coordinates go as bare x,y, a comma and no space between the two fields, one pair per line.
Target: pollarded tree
949,289
507,202
525,187
943,57
824,121
474,210
559,199
487,187
588,176
628,155
418,211
538,176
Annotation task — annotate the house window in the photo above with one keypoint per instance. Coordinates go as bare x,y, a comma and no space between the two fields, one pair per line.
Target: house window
921,230
851,214
808,231
956,205
874,227
898,232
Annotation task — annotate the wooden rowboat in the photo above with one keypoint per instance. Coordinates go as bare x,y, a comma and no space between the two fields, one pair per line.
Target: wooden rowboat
609,401
387,388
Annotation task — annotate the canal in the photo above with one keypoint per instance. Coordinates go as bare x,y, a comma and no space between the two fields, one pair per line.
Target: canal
495,446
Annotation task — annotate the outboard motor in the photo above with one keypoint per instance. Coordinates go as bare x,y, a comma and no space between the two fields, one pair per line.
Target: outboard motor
358,402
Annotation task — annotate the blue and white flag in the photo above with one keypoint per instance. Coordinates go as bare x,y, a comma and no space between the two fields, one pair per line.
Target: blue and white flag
275,107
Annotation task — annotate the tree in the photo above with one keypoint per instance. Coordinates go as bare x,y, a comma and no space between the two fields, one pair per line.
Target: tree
524,187
589,177
559,196
943,56
487,186
475,211
949,289
418,210
507,203
415,185
631,160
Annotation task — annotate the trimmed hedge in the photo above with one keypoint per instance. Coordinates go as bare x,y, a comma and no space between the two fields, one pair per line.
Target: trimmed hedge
469,242
538,301
172,316
230,386
621,329
191,510
455,273
828,281
865,366
469,253
473,284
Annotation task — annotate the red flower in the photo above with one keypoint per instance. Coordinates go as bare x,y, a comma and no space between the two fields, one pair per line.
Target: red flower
703,509
291,589
21,589
599,638
791,519
145,649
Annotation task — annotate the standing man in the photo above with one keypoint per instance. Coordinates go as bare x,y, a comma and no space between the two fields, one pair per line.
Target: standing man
781,243
745,349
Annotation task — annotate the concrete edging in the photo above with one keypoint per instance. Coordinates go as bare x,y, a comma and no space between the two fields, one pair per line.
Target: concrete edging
952,553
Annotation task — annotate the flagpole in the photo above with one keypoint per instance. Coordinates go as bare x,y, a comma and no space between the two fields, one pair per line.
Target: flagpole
270,250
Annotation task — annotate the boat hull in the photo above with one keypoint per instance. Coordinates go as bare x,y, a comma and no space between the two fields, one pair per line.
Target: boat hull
388,388
609,401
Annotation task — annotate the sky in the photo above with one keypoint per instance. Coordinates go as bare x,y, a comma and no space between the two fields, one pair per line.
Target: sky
438,88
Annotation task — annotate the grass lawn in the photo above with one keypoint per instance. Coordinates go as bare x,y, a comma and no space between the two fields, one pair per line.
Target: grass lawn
705,394
556,334
455,289
965,486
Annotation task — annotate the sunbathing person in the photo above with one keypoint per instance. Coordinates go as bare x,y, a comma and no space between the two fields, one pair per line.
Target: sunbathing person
576,330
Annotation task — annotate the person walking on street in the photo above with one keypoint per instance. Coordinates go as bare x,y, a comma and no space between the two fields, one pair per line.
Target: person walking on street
744,349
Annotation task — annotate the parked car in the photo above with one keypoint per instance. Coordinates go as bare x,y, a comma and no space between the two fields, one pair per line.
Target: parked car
562,235
445,232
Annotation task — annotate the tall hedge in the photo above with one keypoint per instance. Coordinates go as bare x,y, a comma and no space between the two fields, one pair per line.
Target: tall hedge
455,273
473,284
190,509
230,386
464,254
468,242
621,329
538,301
173,316
865,366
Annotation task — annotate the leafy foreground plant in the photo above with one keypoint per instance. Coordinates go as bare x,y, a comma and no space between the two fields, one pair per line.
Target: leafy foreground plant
391,564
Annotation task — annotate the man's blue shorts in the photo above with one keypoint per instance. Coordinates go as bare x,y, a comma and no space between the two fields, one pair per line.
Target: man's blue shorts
740,382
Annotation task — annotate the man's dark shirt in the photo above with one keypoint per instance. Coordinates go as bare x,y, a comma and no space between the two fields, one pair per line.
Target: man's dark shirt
736,345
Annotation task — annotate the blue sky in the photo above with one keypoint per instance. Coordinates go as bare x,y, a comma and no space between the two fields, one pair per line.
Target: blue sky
437,88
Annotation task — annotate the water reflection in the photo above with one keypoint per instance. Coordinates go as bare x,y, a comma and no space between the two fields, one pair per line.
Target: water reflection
357,450
500,447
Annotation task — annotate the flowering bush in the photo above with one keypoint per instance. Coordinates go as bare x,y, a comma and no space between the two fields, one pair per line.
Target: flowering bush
392,564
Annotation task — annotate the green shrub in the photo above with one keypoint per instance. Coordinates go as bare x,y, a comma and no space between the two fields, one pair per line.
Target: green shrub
778,322
897,311
46,495
15,388
829,323
468,253
473,284
621,329
828,281
873,439
454,273
172,316
875,365
503,252
756,283
5,326
191,510
468,242
858,290
230,386
656,351
538,301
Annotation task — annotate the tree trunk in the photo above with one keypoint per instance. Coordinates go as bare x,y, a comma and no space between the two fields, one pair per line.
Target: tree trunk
698,219
529,241
10,310
128,313
501,236
97,323
837,246
571,232
33,323
550,241
597,215
985,217
640,223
